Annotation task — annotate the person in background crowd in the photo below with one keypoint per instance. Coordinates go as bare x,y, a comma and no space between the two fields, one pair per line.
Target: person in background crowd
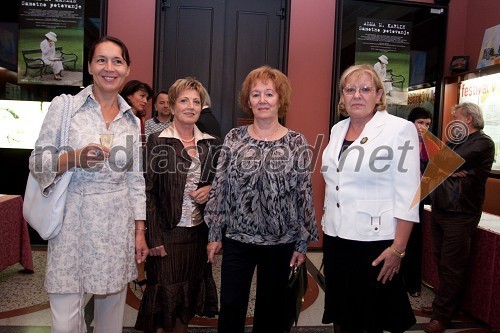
49,57
371,170
102,236
411,267
163,116
456,210
207,122
180,167
137,95
261,207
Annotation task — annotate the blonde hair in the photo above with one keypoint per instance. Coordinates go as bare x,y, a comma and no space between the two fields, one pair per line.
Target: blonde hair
184,84
357,71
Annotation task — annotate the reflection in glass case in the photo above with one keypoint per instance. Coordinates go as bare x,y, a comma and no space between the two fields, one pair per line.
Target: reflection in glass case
20,123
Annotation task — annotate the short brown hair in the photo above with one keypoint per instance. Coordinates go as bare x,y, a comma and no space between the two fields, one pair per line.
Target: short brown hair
359,70
264,74
184,84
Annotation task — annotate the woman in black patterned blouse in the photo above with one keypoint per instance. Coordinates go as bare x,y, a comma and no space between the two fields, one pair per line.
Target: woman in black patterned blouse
260,207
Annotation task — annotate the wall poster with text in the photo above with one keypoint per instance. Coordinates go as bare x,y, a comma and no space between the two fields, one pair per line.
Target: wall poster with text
485,92
51,37
385,44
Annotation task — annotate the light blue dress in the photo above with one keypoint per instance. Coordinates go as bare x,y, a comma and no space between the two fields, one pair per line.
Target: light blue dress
94,251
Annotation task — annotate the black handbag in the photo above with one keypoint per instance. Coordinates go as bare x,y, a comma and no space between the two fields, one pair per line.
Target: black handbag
297,287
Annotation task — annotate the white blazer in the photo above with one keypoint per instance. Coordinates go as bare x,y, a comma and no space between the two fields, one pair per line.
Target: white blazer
374,182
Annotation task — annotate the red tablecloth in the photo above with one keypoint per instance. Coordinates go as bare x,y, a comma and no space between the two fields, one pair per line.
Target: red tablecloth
14,237
482,290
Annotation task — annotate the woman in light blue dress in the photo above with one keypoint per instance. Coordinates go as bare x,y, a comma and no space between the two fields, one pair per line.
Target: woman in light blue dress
103,233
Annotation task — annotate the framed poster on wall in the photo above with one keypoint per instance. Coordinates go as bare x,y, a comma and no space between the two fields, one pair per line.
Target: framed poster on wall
75,26
386,45
51,43
408,38
489,54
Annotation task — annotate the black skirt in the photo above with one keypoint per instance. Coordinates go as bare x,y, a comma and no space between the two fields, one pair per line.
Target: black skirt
180,285
354,299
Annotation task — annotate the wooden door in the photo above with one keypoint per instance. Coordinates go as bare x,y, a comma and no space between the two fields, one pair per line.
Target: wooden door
219,42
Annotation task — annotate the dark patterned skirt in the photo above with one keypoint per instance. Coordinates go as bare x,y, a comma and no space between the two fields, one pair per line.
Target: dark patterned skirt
354,299
180,285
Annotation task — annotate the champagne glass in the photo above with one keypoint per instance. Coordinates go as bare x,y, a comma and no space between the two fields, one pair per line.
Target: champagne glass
106,138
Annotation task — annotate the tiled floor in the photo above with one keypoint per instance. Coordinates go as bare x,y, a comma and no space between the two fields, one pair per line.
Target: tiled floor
24,305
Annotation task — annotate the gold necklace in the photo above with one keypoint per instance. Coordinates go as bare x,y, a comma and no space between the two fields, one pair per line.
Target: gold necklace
267,137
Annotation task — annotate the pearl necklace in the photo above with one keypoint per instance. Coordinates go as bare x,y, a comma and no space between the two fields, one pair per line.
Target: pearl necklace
186,141
267,137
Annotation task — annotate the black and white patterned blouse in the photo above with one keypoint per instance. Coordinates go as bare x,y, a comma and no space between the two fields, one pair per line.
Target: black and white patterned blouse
262,191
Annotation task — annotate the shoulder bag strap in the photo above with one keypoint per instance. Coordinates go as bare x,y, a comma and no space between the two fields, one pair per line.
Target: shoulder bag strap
66,119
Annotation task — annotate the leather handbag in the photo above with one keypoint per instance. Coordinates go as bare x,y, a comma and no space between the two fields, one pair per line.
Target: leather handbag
45,212
297,287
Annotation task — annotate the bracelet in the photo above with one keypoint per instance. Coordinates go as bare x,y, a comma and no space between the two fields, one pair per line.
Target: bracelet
141,229
396,252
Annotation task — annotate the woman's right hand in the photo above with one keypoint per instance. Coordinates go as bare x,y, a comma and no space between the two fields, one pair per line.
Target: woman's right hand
90,155
212,249
157,251
86,157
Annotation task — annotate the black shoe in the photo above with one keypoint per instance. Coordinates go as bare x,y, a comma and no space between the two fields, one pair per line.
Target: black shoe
140,284
435,326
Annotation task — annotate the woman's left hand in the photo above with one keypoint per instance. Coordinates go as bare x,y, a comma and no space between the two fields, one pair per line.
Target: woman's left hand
141,247
297,259
392,264
200,196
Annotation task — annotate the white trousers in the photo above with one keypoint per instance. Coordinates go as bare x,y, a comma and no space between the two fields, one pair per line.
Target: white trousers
57,66
68,317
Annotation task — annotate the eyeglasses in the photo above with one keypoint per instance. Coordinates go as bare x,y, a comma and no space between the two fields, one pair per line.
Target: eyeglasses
365,90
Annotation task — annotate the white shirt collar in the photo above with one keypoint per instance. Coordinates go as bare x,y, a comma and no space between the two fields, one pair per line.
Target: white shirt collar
171,132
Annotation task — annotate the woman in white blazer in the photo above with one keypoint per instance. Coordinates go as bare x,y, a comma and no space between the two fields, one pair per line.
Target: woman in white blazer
371,170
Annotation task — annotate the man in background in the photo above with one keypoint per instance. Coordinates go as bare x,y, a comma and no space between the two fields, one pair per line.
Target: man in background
457,205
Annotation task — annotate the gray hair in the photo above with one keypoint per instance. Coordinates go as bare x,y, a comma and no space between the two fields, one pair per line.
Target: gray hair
208,101
473,110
